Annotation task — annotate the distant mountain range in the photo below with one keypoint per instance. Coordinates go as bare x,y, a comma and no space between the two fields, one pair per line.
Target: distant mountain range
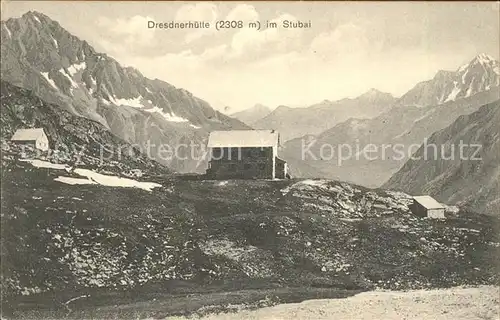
468,175
479,75
295,122
406,125
39,55
253,114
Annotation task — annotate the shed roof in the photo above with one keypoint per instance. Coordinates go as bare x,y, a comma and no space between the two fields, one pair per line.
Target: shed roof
28,134
428,202
243,138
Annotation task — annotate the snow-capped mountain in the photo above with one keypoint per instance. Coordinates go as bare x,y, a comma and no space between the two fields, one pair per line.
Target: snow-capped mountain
39,55
481,74
400,126
429,107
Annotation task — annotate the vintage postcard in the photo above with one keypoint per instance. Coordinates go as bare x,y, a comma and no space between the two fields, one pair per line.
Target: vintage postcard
250,160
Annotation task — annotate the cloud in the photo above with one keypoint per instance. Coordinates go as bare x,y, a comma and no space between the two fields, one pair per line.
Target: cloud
243,12
247,40
338,57
249,44
206,12
347,41
133,30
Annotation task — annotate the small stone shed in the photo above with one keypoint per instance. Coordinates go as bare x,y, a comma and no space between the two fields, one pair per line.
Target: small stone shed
427,206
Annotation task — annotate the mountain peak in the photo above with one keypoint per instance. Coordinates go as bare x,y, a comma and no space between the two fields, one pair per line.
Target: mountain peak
482,59
36,16
282,108
481,74
259,106
372,92
253,114
375,94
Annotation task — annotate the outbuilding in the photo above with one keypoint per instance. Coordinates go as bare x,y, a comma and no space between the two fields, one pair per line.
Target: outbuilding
427,206
34,137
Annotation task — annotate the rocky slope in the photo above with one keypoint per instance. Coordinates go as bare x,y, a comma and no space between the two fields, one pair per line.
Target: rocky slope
108,245
469,176
480,74
72,139
296,122
252,115
40,55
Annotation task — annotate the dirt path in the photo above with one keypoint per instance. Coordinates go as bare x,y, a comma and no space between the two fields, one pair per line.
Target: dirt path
457,303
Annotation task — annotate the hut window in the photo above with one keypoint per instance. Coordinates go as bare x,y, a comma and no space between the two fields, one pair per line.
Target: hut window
216,152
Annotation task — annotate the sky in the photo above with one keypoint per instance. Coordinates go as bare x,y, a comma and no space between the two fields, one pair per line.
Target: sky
350,47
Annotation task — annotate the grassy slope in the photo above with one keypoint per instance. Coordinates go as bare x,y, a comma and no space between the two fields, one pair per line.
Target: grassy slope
203,237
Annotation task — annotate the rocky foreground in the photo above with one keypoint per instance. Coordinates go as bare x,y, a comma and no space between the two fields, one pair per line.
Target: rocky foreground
72,250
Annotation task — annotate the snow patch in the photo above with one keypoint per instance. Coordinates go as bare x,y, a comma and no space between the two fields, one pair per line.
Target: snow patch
147,89
55,42
453,94
8,31
73,83
36,18
94,84
484,58
469,90
45,164
401,134
464,75
92,177
134,102
73,181
171,117
114,181
193,126
496,69
428,113
46,76
73,69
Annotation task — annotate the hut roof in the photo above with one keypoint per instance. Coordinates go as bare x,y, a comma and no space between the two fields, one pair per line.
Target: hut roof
428,202
243,138
28,134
